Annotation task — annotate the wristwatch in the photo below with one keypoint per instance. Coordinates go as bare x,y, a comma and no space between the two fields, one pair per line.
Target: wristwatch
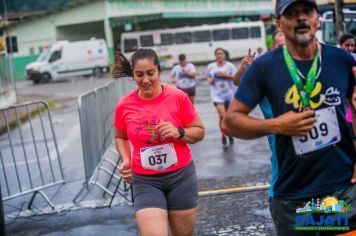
181,132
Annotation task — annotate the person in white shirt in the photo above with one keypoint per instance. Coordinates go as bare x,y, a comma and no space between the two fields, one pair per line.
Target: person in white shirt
183,75
220,75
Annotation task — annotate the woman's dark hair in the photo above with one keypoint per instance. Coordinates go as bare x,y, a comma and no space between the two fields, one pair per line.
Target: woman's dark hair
124,67
345,37
182,57
227,55
217,49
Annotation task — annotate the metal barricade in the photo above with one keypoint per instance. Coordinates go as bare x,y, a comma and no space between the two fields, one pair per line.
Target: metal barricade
29,156
96,114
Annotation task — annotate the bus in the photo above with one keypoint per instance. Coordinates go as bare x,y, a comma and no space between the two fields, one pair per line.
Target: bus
328,29
197,42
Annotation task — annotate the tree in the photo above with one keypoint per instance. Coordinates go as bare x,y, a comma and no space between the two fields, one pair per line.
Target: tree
34,5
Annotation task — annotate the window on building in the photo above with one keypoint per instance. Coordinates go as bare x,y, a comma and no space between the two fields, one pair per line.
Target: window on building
130,45
146,40
220,35
202,36
239,33
167,39
184,37
32,51
40,49
255,32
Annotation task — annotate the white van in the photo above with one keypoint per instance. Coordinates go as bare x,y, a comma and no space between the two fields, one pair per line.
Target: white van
66,59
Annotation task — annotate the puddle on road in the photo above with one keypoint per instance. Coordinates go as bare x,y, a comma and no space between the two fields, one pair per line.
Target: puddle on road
264,212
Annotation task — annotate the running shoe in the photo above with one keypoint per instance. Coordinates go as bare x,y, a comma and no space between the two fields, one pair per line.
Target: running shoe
224,142
231,140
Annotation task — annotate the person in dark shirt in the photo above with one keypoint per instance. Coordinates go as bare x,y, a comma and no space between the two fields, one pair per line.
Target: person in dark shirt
307,85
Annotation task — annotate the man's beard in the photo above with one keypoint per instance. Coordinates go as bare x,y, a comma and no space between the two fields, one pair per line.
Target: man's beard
302,39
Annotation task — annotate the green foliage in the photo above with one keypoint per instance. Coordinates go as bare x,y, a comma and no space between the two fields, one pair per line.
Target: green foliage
269,41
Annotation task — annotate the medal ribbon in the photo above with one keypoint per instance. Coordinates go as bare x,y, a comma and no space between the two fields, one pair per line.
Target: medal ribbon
303,90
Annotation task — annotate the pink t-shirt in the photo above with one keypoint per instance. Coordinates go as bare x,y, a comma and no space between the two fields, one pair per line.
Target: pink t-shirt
139,119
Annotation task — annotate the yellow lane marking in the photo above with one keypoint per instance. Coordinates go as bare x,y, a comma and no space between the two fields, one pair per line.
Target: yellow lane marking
236,189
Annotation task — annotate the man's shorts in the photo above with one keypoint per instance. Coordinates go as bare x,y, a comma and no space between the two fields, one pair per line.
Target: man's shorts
284,212
190,91
352,131
177,190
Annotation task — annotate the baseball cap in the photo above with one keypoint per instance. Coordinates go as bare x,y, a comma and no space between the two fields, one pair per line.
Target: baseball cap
282,5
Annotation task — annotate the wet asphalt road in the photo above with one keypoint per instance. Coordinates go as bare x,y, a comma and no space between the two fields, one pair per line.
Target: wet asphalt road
245,163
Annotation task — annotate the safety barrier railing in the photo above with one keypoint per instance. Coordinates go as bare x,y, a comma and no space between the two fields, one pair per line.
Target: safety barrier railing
29,158
96,114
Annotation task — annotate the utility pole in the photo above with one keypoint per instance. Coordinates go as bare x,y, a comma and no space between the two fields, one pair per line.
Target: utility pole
339,18
9,54
2,217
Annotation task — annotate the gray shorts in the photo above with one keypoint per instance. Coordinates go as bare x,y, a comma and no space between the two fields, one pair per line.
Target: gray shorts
284,211
189,91
177,190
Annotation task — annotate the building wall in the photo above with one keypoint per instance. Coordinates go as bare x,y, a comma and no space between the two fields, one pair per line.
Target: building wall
33,34
88,12
82,31
122,8
43,31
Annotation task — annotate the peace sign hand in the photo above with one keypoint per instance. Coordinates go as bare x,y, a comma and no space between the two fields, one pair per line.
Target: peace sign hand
248,59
